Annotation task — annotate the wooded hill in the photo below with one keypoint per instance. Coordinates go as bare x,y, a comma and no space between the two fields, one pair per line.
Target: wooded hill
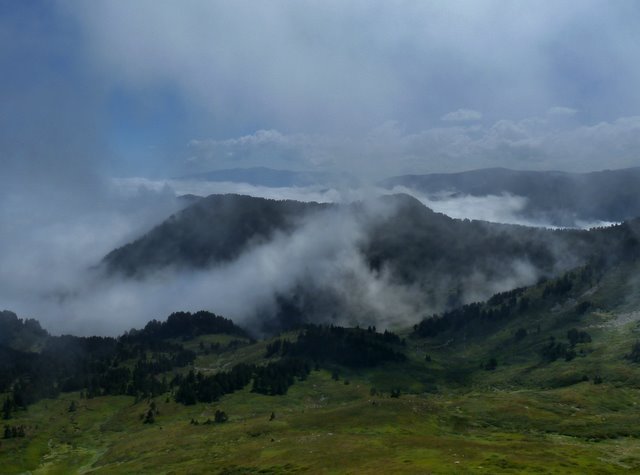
447,259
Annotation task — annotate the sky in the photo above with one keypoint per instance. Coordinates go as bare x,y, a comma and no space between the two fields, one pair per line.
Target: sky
102,103
164,88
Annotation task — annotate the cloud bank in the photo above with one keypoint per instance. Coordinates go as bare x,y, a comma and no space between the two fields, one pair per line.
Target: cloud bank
536,143
359,64
48,269
47,274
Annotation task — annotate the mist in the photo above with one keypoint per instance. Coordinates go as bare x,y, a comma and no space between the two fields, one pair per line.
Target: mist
50,269
52,238
503,208
53,242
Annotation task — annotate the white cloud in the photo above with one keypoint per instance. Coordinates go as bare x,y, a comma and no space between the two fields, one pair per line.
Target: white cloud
53,239
562,111
534,143
462,115
46,272
319,194
47,259
335,65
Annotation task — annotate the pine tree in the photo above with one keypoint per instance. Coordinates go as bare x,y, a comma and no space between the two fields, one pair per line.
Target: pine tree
149,417
6,409
220,416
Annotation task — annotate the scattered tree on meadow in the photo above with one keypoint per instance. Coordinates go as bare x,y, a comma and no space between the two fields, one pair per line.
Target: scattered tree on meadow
491,365
220,416
634,356
576,336
149,417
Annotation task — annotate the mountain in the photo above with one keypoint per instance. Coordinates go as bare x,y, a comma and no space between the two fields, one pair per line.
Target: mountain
408,238
558,198
443,261
212,230
262,176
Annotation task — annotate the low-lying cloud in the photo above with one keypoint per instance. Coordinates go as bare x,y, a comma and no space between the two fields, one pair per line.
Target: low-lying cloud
49,270
503,208
50,241
47,274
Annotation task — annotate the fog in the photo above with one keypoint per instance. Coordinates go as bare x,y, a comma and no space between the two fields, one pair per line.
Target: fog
48,270
50,242
54,241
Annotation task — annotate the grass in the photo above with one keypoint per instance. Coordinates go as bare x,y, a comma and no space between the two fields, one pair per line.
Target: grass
323,425
526,416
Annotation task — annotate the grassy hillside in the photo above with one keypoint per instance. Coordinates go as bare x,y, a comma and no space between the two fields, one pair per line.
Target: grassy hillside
546,386
325,425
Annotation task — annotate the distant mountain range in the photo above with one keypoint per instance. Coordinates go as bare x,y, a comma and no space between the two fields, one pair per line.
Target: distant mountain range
559,198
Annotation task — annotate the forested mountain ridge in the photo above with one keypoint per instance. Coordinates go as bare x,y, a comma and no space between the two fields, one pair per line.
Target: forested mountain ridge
96,364
20,334
212,230
218,228
450,261
35,364
417,237
138,362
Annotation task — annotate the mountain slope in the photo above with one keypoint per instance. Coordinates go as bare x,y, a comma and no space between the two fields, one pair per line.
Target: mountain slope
407,235
212,230
396,245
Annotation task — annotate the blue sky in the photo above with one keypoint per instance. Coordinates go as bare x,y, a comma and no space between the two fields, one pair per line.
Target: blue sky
163,88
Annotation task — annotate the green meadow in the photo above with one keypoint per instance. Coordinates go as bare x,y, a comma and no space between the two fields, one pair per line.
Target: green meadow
323,425
442,410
